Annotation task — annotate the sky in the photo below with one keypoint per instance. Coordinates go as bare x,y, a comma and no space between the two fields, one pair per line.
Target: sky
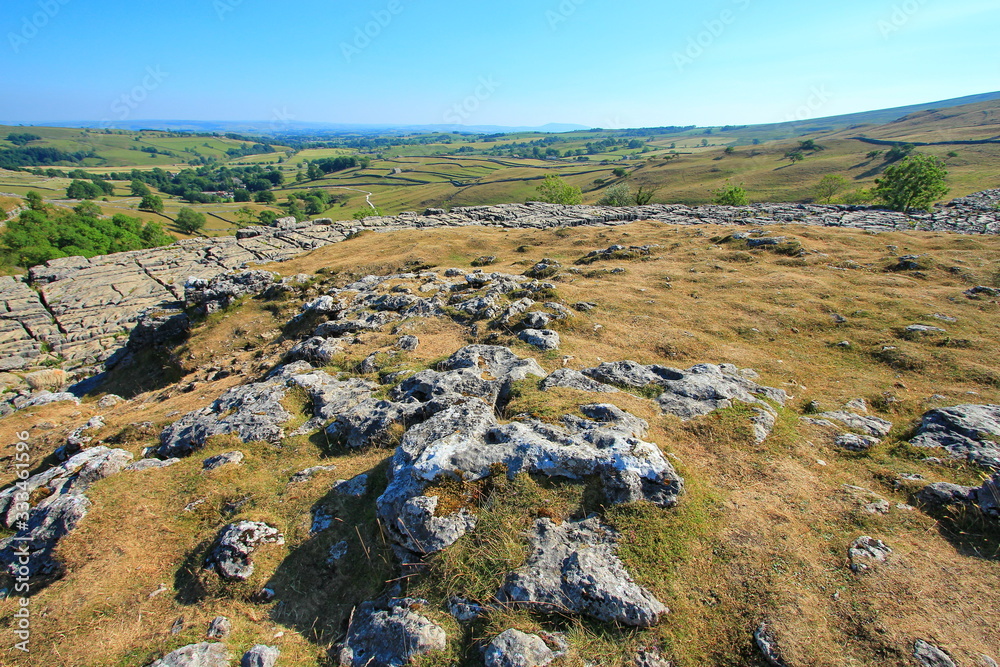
598,63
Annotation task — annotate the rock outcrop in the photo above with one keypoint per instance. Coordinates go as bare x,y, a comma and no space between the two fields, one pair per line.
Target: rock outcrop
970,432
390,633
231,555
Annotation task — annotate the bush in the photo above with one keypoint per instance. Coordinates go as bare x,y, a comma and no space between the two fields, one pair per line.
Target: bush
619,194
916,182
557,191
731,195
829,186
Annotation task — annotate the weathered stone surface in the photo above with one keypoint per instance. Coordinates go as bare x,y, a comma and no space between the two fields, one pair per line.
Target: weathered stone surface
985,497
574,567
567,377
650,658
86,303
513,648
871,426
408,343
389,634
355,487
767,643
59,511
231,555
260,655
44,397
208,296
204,654
229,458
965,431
866,552
929,655
856,443
151,464
543,339
309,473
316,350
219,628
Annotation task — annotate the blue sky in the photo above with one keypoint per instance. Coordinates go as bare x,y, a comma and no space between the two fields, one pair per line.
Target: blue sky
510,62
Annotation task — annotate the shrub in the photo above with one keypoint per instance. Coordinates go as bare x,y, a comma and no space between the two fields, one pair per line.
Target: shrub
557,191
731,195
916,182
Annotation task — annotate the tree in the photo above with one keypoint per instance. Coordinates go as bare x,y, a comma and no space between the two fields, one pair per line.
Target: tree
810,145
151,203
266,197
916,182
34,201
87,209
190,221
620,172
795,156
245,216
899,151
20,139
557,191
619,194
644,195
138,188
267,217
731,195
829,186
242,195
873,154
83,190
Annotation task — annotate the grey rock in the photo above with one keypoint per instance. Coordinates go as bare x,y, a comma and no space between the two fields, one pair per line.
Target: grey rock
229,458
316,350
151,464
204,654
356,487
220,628
159,326
44,397
58,512
986,661
231,555
465,611
336,553
513,648
986,497
924,329
515,309
567,377
865,552
574,568
929,655
873,426
209,296
390,634
964,431
408,343
536,320
856,443
584,306
650,658
260,655
858,405
371,422
309,473
543,339
109,401
767,643
979,291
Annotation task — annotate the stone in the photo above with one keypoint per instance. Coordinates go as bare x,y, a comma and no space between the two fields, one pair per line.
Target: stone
967,432
986,497
929,655
220,628
229,458
574,568
513,648
356,487
309,473
336,553
408,343
231,555
59,510
151,464
871,426
44,397
373,422
316,350
865,552
110,401
650,658
536,320
767,643
543,339
260,656
465,611
208,296
390,634
856,443
204,654
584,306
571,379
923,329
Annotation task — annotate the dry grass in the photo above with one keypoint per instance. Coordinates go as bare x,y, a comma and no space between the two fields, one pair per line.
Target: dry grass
762,532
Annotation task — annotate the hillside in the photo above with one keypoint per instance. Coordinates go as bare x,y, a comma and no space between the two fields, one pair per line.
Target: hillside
756,484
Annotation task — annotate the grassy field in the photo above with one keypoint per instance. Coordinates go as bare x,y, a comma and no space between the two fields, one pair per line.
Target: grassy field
761,532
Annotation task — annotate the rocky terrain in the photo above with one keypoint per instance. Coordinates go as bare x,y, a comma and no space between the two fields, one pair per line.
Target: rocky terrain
664,443
78,310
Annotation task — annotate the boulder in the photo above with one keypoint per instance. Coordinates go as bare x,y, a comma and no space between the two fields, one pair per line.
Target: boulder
407,343
853,442
929,655
543,339
151,464
863,424
309,473
574,568
209,296
220,628
260,656
966,432
316,350
390,634
356,487
215,462
513,648
204,654
231,555
571,379
865,552
767,643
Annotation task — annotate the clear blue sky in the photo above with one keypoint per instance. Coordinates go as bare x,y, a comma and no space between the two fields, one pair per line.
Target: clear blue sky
507,62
